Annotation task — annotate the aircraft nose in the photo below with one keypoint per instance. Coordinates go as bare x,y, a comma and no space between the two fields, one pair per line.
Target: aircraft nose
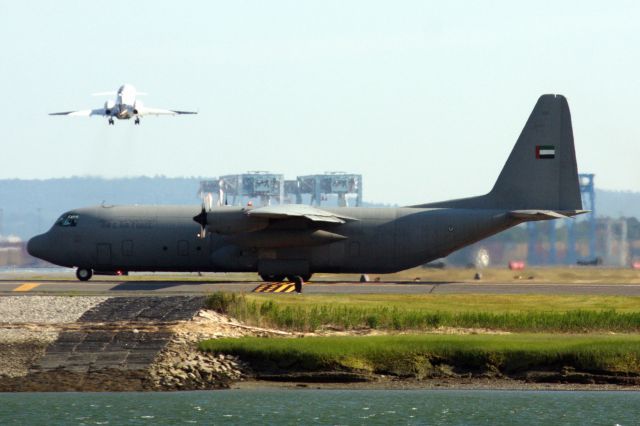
37,246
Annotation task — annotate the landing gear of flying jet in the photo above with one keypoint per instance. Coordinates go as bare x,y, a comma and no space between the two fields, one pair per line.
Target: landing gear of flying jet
111,121
84,274
137,121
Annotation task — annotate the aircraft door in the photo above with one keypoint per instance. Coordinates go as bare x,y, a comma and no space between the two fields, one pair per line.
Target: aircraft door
104,254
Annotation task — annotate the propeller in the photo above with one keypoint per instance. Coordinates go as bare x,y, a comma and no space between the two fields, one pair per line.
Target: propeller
201,219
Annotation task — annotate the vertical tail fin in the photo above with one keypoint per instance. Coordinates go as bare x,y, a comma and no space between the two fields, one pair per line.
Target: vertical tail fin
541,171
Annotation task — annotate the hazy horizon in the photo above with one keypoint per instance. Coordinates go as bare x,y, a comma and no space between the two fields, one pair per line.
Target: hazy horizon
161,176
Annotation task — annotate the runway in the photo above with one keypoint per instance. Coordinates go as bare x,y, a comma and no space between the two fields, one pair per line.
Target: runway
126,287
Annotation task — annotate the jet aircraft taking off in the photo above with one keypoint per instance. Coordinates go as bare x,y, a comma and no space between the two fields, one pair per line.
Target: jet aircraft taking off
124,107
539,181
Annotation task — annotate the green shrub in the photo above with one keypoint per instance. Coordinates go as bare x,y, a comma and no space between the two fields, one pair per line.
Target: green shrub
221,301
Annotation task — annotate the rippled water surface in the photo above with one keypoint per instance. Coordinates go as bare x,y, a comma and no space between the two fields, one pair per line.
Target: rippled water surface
331,407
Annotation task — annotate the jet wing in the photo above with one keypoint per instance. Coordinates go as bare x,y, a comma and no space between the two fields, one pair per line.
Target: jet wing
159,111
82,113
298,210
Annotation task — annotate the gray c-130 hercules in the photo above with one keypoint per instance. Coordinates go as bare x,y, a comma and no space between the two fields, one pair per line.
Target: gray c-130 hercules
538,182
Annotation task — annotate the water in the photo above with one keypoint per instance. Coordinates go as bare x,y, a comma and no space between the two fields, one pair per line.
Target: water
330,407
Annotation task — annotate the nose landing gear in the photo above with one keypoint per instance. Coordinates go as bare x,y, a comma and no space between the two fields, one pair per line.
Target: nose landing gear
84,274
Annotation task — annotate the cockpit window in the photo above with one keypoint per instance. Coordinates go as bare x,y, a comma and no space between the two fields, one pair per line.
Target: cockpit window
68,219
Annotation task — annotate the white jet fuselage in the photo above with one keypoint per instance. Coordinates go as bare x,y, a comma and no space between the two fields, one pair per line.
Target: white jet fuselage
125,103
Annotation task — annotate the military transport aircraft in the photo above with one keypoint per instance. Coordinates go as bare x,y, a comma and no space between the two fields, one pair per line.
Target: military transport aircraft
125,106
538,182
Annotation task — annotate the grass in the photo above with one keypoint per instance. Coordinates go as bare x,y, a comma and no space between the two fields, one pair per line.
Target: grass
521,313
420,355
497,303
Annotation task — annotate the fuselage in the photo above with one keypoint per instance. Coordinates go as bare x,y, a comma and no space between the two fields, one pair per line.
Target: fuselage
125,103
166,238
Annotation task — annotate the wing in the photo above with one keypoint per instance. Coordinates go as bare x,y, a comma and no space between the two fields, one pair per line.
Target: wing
82,113
159,111
298,210
260,227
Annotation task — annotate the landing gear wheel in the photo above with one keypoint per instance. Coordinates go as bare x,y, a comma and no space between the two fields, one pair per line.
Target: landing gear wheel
272,278
298,281
110,121
84,274
137,121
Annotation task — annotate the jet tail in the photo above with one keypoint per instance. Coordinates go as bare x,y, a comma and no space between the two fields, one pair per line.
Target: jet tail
541,172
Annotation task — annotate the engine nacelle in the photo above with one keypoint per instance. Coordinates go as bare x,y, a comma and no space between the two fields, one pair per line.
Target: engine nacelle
108,106
229,220
137,107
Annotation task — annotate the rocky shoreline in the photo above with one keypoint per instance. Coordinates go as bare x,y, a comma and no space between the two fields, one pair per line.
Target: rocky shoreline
52,343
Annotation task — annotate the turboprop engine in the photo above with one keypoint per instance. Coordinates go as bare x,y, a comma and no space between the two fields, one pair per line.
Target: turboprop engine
108,106
241,229
228,220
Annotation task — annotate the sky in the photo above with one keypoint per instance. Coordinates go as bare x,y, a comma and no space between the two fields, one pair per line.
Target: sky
424,98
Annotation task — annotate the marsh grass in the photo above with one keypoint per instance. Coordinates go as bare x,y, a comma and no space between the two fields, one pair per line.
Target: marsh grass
417,355
403,313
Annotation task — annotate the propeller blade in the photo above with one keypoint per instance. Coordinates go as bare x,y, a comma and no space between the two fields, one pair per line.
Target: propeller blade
202,220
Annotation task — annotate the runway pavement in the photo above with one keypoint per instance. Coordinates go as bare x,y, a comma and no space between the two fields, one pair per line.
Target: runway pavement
14,286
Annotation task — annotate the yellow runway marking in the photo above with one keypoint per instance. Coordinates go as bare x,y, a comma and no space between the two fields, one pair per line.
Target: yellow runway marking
275,288
26,287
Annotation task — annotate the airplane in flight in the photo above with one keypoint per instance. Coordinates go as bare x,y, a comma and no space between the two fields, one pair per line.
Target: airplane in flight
125,106
538,182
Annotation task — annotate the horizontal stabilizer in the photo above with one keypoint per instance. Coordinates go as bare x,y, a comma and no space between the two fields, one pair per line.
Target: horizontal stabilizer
298,210
529,215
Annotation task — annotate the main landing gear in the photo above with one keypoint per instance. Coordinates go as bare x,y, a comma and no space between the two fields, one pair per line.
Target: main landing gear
111,121
272,278
84,274
137,121
297,280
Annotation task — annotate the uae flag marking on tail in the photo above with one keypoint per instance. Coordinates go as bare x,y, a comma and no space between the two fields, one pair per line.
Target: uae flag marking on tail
545,151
